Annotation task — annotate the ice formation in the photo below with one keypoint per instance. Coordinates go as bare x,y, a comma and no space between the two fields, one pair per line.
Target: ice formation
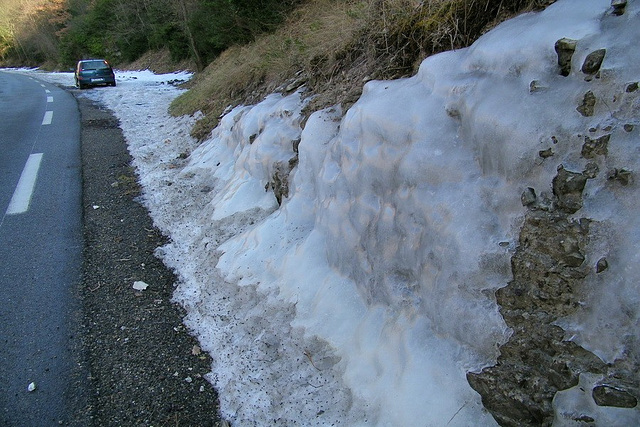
366,296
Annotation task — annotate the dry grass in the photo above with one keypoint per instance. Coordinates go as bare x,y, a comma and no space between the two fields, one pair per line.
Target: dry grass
335,46
244,73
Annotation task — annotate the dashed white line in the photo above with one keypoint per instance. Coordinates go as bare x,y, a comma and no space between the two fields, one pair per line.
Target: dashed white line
49,98
24,190
48,118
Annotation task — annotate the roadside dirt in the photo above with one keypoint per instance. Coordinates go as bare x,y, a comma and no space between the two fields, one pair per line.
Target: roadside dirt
146,370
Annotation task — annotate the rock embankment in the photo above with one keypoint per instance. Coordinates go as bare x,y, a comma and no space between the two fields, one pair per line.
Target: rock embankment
551,266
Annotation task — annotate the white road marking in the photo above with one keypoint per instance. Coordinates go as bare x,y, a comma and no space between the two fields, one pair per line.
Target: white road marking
49,98
47,91
48,117
41,84
24,190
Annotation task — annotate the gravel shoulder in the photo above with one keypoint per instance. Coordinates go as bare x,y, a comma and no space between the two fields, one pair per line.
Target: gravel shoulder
146,369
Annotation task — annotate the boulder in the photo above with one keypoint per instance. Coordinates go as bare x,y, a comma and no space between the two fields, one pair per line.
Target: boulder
588,105
618,6
605,395
593,147
565,48
593,61
568,187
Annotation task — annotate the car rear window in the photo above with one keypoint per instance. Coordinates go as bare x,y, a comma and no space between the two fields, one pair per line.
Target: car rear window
94,65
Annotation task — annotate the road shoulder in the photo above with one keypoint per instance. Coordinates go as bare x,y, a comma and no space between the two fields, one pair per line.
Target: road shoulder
145,367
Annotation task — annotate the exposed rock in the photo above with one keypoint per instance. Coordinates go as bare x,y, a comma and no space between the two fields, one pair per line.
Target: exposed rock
545,153
567,187
528,197
453,112
565,48
591,170
554,268
297,83
535,86
595,147
537,362
605,395
295,144
588,105
628,127
622,176
593,61
602,265
574,259
280,179
548,270
618,6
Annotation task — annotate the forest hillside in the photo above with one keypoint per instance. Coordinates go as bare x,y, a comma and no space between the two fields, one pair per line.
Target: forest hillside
244,50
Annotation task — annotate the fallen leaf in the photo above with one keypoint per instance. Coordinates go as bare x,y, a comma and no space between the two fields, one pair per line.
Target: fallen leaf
196,350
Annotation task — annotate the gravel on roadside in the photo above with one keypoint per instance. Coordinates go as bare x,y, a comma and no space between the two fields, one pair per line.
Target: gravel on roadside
146,369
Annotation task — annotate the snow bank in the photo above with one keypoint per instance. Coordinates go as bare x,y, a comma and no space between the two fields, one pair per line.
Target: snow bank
369,293
403,212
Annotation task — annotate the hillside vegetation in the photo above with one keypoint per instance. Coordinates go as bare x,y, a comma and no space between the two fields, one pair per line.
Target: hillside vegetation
59,32
333,47
246,49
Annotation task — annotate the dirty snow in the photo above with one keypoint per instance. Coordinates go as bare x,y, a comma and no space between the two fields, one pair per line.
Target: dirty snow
369,293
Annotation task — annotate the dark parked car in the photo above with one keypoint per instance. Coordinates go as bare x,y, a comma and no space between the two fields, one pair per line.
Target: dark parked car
93,72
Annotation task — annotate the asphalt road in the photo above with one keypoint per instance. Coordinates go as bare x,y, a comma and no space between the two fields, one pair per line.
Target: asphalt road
73,239
40,253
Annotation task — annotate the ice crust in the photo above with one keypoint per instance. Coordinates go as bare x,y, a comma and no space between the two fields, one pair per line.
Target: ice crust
369,293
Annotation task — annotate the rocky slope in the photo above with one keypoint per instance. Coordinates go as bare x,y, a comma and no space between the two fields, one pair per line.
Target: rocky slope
558,258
